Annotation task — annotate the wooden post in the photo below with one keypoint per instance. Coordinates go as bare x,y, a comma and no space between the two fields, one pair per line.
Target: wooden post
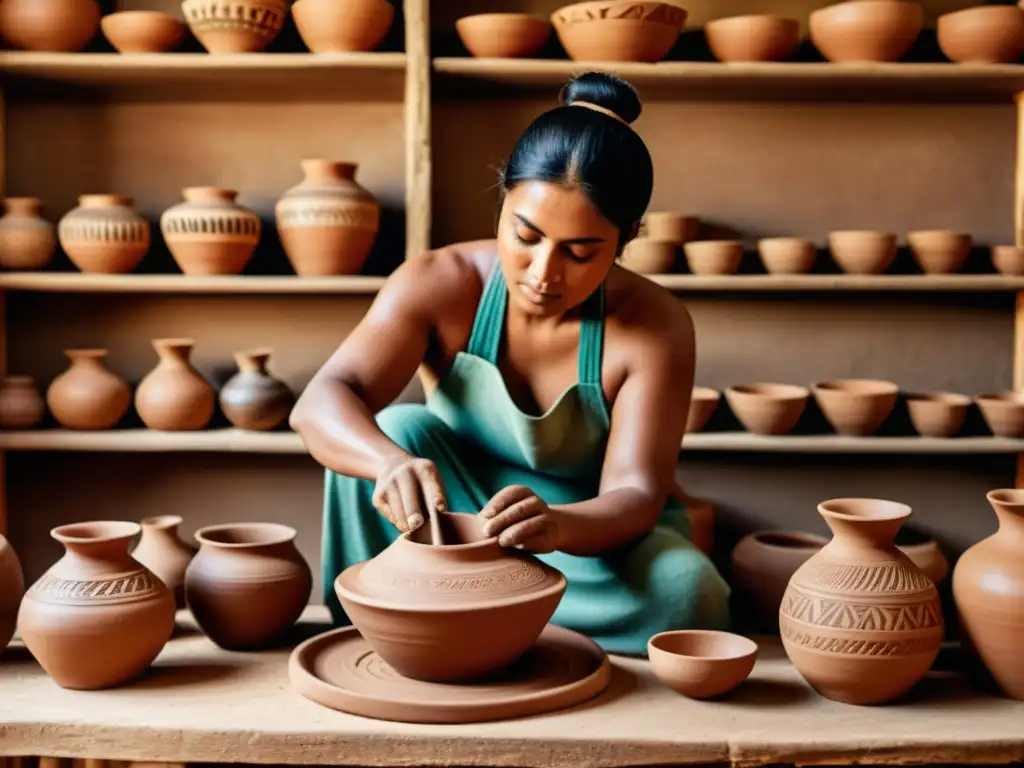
1018,237
417,126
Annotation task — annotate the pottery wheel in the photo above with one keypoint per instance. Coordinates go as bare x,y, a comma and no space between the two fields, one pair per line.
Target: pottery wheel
339,670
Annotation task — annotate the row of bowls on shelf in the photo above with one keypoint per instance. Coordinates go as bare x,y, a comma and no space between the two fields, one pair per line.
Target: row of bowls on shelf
854,407
853,30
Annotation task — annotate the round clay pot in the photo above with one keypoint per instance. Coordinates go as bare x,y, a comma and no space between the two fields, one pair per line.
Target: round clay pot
866,30
668,225
88,395
97,618
786,255
328,222
235,26
856,407
336,26
927,556
937,414
252,398
174,395
143,31
618,30
12,588
988,582
104,234
755,37
1008,259
713,257
701,663
458,611
766,408
862,252
27,240
939,252
247,585
650,257
703,402
992,34
503,35
859,620
162,551
1003,412
64,26
21,404
209,233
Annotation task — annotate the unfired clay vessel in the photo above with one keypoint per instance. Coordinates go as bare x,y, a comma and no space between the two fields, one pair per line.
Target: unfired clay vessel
701,663
209,233
235,26
248,584
866,30
856,407
328,222
859,620
142,31
939,251
713,257
648,256
162,551
97,618
1008,259
986,34
502,35
12,587
618,30
1003,412
862,252
938,414
49,25
457,611
104,234
675,227
332,26
88,395
21,403
27,240
174,395
786,255
252,398
703,402
754,37
767,408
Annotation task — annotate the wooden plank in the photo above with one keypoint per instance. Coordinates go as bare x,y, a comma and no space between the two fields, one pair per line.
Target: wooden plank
417,127
1018,233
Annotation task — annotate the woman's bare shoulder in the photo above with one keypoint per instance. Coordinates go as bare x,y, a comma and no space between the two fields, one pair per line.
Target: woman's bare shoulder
642,310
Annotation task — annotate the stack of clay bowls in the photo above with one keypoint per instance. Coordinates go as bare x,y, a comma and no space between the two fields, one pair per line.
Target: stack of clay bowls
656,250
503,35
618,30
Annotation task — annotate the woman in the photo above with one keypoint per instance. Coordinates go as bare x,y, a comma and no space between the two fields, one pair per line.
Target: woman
561,386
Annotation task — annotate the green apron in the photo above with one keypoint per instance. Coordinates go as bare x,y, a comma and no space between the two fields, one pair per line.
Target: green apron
482,442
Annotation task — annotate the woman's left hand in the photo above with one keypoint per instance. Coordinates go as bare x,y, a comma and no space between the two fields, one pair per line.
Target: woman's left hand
521,518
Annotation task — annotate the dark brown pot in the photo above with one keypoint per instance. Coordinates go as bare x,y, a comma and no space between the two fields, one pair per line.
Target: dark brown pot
252,398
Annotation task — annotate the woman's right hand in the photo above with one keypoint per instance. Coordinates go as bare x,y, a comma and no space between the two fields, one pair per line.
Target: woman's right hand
408,488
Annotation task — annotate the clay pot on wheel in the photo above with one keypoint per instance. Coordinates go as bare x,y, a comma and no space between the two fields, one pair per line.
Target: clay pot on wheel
235,26
164,553
21,404
104,234
88,395
209,233
174,395
334,26
27,240
60,26
252,398
12,588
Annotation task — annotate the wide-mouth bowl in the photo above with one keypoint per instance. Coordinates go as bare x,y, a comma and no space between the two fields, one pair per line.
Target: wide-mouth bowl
858,235
478,18
864,509
937,399
95,531
715,246
703,644
857,387
860,8
727,23
789,541
770,391
245,535
566,15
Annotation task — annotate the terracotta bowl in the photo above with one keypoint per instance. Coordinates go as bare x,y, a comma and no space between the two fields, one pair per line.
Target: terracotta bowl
618,30
786,255
650,257
235,26
866,30
703,402
756,37
701,663
1003,412
992,34
342,26
767,409
503,35
856,407
937,414
142,31
939,251
862,252
713,257
668,225
1008,259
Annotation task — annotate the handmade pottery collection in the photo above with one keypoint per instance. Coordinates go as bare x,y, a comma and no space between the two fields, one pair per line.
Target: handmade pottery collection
104,234
209,233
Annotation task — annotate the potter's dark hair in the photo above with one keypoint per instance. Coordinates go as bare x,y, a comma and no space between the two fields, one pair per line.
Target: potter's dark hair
589,150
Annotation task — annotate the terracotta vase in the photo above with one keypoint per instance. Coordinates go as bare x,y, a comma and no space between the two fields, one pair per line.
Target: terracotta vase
859,620
88,395
49,25
21,404
209,233
328,222
252,398
97,618
988,591
27,240
248,584
104,234
335,26
12,588
174,395
461,610
235,26
164,553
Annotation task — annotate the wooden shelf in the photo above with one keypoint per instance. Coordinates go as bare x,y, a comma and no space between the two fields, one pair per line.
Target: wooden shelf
204,77
769,81
864,283
737,442
76,282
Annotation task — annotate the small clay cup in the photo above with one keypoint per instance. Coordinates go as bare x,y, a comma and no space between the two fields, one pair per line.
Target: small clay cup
713,257
503,35
650,257
754,37
767,408
937,414
856,407
1003,412
866,30
669,225
985,34
703,402
939,251
701,663
862,252
1008,259
786,255
142,31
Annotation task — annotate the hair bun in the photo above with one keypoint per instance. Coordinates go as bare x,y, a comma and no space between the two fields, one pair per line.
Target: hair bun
604,90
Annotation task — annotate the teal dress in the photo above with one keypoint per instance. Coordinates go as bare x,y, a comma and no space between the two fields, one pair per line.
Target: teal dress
482,442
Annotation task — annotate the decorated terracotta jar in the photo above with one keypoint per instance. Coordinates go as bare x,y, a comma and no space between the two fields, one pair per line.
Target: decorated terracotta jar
162,551
252,398
235,26
64,26
104,234
88,395
209,233
21,403
27,240
174,395
12,587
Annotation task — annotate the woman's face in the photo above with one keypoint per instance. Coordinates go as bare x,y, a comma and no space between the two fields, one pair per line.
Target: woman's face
554,245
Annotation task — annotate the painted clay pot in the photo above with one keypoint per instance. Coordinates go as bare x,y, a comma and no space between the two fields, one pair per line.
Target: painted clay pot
502,35
618,30
991,34
209,233
988,582
162,551
49,25
461,610
335,26
12,588
859,620
866,30
97,618
21,403
27,240
328,222
235,26
248,584
88,395
766,408
174,395
104,234
252,398
142,31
